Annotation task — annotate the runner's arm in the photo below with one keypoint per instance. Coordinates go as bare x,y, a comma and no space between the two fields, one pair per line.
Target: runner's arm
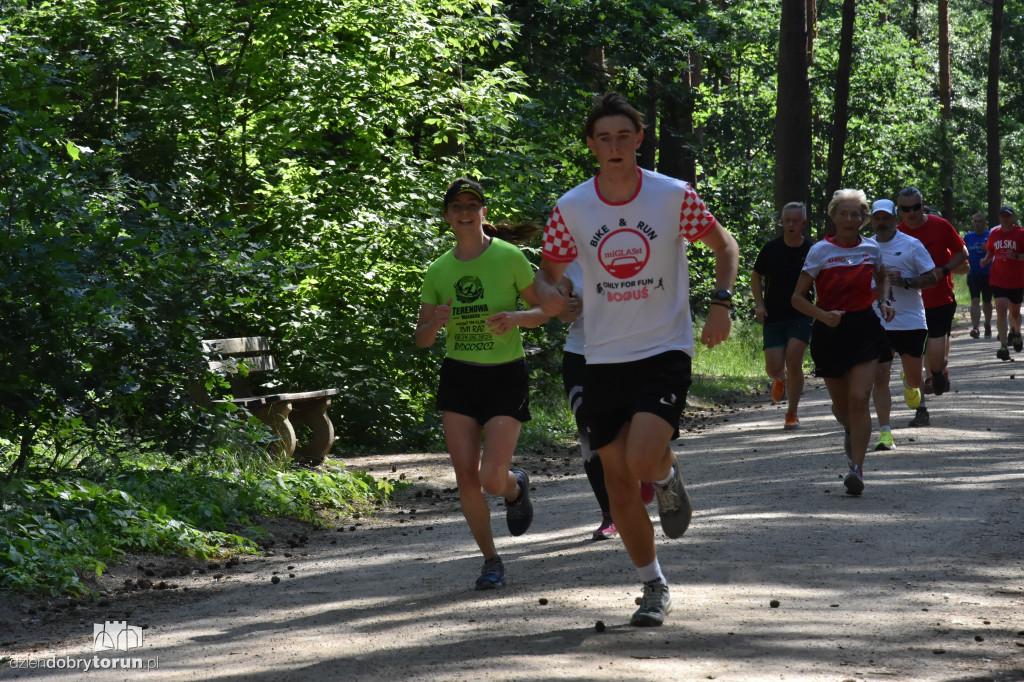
545,286
757,293
958,258
433,318
718,323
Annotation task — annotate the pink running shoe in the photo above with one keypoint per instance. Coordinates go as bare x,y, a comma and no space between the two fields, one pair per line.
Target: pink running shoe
607,530
646,492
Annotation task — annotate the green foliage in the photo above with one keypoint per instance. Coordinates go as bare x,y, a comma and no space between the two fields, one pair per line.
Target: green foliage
171,172
106,281
57,531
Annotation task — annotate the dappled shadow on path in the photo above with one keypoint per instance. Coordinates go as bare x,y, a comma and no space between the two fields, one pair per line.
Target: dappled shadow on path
781,575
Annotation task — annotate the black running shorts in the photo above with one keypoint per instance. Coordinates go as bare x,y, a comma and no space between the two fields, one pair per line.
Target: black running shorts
904,342
1015,296
940,320
485,391
617,391
836,350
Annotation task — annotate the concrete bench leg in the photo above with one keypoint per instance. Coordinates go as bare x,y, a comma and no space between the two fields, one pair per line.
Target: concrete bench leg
276,417
315,430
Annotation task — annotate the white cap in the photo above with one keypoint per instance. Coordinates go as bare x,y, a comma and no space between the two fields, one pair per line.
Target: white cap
883,205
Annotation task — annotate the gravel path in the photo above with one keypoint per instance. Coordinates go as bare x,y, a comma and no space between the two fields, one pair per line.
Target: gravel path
781,576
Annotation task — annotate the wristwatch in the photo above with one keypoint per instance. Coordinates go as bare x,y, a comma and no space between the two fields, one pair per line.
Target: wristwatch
906,282
722,297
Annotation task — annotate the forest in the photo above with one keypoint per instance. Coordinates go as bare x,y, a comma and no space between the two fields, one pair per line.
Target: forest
173,171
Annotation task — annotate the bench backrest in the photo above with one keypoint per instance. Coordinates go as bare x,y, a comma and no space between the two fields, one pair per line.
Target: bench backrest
238,360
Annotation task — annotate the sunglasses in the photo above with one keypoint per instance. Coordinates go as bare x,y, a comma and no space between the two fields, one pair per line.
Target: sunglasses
908,209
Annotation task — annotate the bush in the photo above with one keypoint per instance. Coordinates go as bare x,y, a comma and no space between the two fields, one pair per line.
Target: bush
56,531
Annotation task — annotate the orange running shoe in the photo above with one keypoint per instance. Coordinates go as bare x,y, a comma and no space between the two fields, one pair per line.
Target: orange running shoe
778,390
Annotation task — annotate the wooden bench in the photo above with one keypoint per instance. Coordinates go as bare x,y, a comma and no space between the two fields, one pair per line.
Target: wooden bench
242,361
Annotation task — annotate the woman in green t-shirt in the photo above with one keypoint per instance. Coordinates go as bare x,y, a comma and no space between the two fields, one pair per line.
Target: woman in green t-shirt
472,293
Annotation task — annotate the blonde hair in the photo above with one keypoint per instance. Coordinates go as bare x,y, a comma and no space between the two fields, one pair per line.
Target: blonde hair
851,195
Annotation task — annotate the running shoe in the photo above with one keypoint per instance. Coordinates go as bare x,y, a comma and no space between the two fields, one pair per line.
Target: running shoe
778,390
654,605
926,387
792,421
606,531
975,334
646,492
921,418
1018,341
674,504
988,331
519,514
911,395
884,441
940,381
492,575
854,481
1003,353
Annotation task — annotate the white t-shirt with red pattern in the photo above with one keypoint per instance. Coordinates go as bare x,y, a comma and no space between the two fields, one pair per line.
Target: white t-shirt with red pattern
636,283
843,275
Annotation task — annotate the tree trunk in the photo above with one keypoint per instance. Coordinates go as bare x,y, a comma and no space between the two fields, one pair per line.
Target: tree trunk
678,137
812,28
649,146
792,108
694,132
28,434
841,111
671,126
946,99
596,60
995,177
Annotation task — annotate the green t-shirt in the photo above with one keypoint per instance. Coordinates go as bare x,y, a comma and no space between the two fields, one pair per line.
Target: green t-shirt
488,284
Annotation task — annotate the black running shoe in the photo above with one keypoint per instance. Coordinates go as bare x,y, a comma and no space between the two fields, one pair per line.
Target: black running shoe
921,417
519,514
854,481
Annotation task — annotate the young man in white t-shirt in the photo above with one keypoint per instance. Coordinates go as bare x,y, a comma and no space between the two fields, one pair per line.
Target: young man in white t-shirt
910,269
627,228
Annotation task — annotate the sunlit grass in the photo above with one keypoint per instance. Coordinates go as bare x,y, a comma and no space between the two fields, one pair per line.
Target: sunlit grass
740,355
960,290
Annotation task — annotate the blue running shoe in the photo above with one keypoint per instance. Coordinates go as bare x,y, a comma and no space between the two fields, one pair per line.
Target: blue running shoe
492,575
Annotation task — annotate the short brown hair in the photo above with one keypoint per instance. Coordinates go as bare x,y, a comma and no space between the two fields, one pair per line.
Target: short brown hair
613,104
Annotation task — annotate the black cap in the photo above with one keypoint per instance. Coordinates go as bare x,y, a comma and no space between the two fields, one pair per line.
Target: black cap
463,185
1007,209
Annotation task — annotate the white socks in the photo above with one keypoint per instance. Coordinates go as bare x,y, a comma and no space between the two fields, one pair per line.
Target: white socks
651,571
